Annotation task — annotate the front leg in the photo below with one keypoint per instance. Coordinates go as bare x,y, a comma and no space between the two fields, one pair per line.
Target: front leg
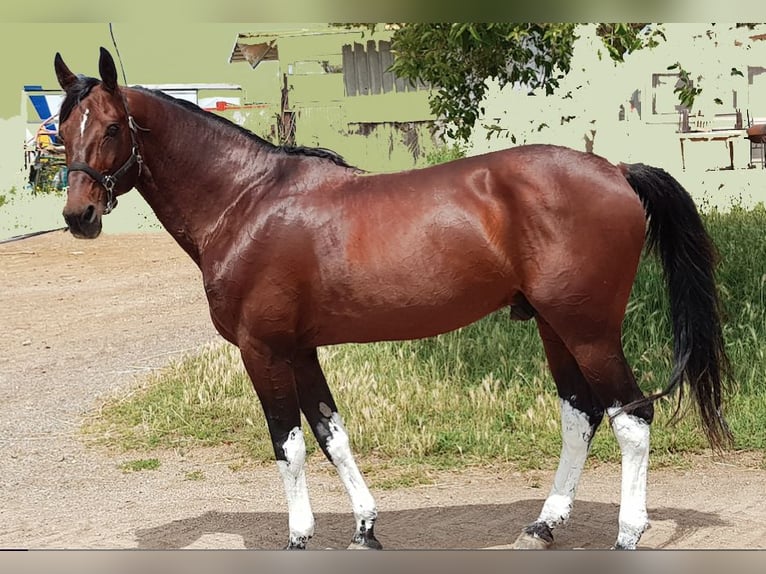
274,382
322,415
291,466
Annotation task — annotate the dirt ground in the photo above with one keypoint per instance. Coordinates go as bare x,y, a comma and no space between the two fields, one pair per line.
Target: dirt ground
83,319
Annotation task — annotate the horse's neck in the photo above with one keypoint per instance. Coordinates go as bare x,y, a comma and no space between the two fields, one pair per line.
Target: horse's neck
190,177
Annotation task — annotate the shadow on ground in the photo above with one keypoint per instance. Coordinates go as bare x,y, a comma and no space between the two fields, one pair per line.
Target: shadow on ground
592,525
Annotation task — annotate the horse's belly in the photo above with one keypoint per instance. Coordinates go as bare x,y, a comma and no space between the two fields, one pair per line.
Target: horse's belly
398,298
400,322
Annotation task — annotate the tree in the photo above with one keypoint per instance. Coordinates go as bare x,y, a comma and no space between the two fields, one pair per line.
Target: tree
456,60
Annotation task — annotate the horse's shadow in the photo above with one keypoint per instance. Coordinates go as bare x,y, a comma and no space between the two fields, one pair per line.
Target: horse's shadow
592,525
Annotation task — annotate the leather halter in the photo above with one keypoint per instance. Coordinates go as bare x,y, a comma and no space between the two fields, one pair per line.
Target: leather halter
109,181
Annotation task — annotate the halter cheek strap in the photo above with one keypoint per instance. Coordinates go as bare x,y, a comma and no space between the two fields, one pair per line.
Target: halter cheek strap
109,181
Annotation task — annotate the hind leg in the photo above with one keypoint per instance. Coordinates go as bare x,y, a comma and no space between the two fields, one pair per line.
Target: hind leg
320,411
597,349
632,433
581,413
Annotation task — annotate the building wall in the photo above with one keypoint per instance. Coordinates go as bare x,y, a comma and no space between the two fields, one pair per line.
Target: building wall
377,132
616,111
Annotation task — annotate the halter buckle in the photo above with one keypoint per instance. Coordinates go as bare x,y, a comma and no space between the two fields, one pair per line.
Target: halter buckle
109,182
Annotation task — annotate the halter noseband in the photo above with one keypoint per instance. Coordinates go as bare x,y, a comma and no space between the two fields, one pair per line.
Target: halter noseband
109,181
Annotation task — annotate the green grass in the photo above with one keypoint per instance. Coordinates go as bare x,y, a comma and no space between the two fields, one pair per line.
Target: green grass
445,153
479,394
140,464
194,475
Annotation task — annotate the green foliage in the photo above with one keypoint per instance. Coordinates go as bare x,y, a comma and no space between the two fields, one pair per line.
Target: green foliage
685,88
457,59
623,38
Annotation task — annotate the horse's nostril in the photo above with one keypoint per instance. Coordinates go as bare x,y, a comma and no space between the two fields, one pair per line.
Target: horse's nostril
89,215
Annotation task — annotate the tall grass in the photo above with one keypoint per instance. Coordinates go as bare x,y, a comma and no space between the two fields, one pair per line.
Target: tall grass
482,393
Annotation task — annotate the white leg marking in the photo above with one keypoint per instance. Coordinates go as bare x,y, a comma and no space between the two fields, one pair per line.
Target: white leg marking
632,434
576,432
362,501
301,518
83,121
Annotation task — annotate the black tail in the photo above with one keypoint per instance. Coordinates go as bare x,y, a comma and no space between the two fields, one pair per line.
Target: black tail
677,235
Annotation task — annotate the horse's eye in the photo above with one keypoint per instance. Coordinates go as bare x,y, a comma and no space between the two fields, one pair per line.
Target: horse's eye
112,130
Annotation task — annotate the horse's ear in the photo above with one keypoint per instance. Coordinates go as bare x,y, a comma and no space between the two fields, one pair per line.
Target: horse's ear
107,70
65,76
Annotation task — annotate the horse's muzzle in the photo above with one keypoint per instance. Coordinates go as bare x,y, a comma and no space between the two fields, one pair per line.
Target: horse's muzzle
85,224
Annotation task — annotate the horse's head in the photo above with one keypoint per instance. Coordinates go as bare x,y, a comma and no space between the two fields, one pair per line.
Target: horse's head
101,152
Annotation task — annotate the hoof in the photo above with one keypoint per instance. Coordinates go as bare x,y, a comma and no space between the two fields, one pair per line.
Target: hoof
537,536
365,541
530,542
628,537
297,544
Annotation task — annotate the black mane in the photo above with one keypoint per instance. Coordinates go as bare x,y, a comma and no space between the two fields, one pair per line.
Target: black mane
290,150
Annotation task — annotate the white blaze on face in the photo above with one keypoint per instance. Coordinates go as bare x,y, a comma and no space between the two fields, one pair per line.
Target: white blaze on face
632,434
83,121
301,518
343,459
576,432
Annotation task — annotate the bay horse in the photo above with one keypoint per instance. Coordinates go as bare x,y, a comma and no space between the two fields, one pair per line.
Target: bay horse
298,250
